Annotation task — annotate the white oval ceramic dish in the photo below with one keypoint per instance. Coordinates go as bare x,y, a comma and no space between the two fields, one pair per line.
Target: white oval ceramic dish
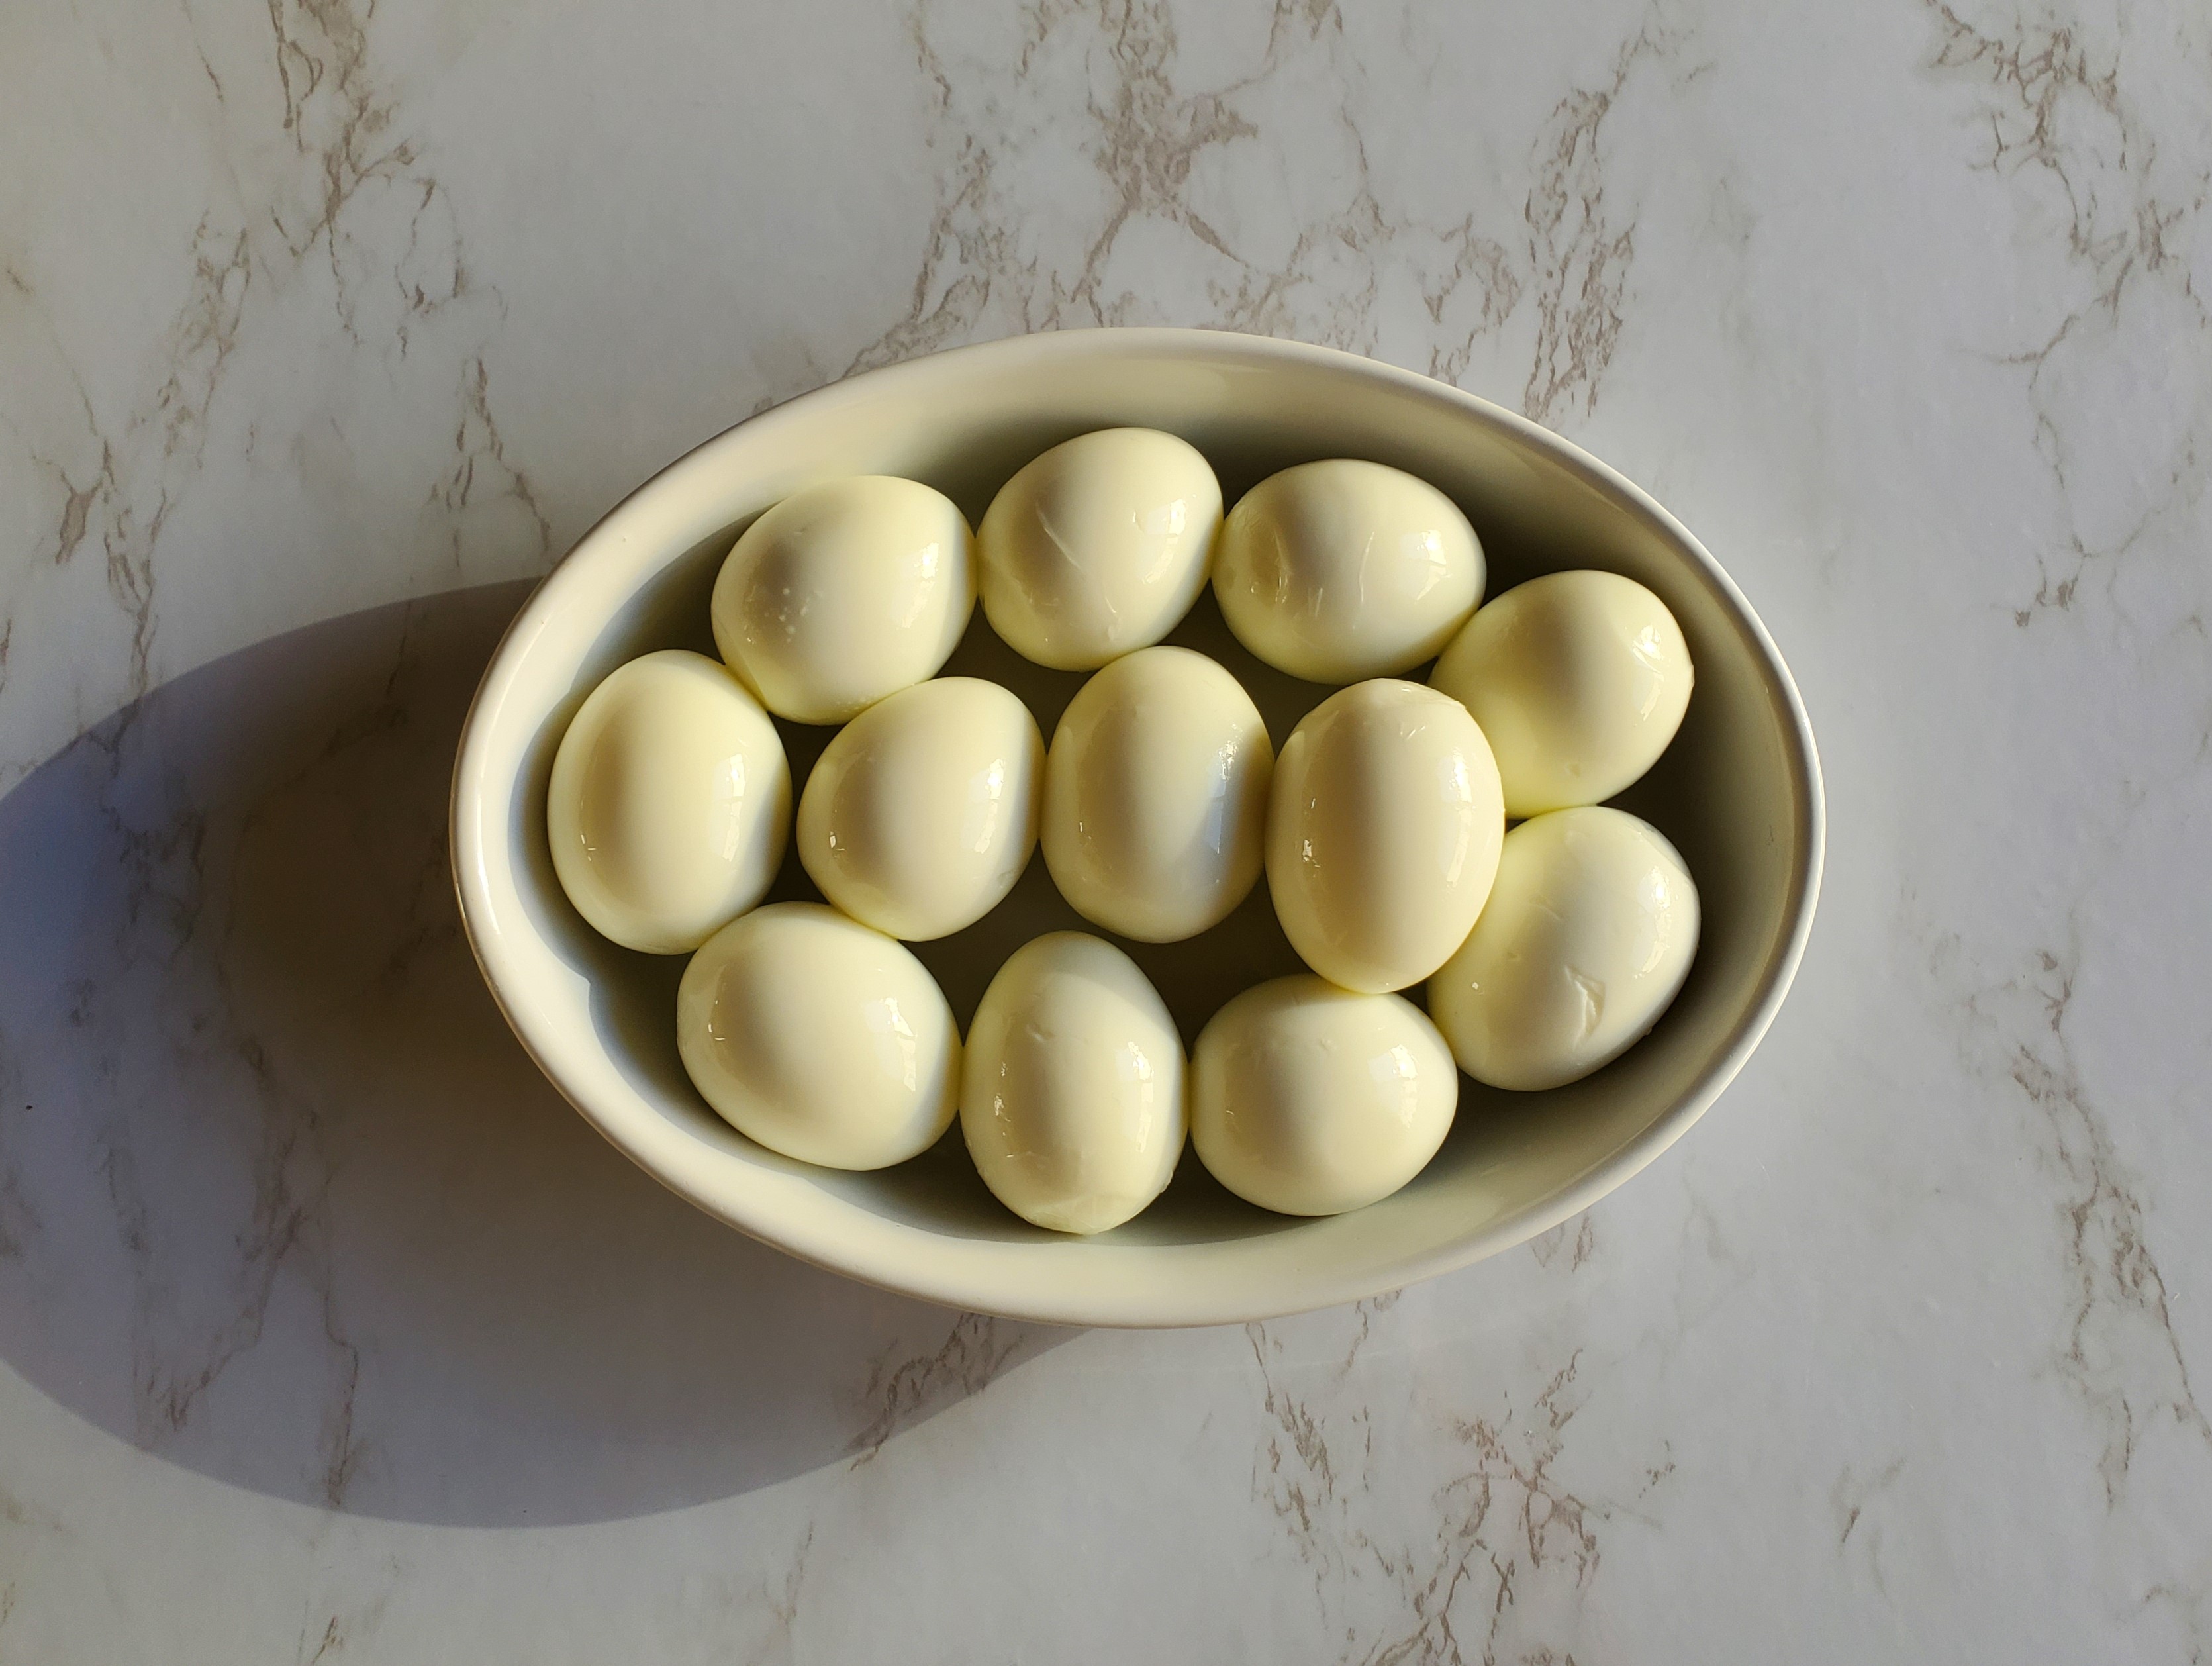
1739,793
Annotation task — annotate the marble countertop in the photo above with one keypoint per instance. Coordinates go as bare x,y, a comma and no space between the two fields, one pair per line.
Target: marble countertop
327,1332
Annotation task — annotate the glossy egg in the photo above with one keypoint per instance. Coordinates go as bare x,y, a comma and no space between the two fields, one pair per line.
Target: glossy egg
1309,1100
1384,827
843,592
1580,680
1072,1097
923,812
1342,569
1156,795
820,1038
1099,546
669,804
1589,935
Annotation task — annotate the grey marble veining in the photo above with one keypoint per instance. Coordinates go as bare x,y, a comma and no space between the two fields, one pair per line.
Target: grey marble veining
328,1332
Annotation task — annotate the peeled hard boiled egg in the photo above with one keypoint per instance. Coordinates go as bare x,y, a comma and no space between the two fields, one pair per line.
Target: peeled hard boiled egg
1342,569
820,1038
843,592
1071,1096
1580,680
669,804
922,811
1156,795
1309,1100
1099,546
1588,935
1382,833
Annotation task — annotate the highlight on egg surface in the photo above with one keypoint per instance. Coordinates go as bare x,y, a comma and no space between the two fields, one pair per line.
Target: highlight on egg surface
1099,546
1383,828
1073,1089
1343,569
1156,796
843,592
820,1038
923,812
1579,679
669,804
1308,1099
1588,937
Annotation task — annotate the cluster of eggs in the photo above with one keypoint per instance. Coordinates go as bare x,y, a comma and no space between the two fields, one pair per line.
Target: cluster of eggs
1382,827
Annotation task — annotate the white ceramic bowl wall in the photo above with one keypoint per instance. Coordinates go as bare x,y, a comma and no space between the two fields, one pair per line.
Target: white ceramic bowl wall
1739,793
